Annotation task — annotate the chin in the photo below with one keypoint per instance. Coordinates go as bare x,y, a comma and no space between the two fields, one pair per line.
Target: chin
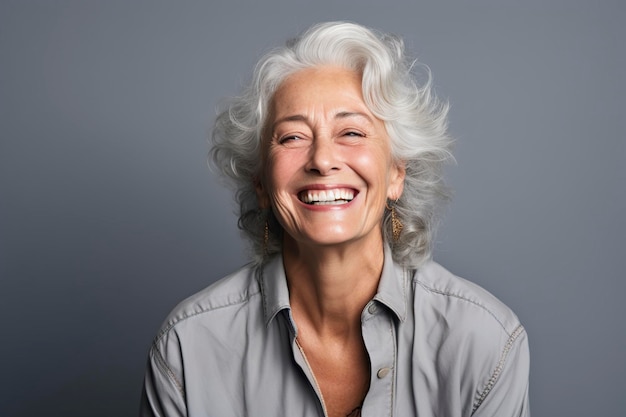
333,237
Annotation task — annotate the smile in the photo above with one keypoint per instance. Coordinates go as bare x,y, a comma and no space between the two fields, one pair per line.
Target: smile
327,197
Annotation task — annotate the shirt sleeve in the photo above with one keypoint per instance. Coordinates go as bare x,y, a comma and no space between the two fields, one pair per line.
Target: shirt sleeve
506,394
163,394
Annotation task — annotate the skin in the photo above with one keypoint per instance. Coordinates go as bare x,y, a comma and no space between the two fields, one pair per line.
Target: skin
322,136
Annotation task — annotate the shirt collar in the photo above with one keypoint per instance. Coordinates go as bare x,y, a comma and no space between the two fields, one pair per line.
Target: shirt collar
274,288
392,288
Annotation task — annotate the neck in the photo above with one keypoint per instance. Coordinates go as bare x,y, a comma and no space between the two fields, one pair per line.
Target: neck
329,286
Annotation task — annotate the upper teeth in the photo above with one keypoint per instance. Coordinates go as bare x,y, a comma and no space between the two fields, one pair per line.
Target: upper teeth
326,196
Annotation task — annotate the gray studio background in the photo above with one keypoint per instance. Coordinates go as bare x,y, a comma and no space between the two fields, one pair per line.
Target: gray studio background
109,215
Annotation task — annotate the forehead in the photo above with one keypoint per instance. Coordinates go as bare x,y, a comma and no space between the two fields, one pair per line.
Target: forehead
321,75
318,85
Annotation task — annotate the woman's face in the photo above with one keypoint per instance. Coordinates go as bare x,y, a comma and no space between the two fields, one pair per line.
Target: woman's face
327,169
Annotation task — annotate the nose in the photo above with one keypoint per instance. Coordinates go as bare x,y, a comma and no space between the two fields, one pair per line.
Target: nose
323,158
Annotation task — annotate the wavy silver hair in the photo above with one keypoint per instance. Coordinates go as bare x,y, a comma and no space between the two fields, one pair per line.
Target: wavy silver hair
416,122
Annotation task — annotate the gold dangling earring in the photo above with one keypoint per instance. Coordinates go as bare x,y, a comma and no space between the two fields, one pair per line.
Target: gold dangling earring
396,224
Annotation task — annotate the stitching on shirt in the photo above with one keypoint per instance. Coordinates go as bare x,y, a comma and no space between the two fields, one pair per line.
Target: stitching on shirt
405,281
165,369
246,297
261,281
436,291
496,373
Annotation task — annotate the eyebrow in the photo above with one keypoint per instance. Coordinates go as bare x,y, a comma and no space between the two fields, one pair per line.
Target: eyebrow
339,115
346,114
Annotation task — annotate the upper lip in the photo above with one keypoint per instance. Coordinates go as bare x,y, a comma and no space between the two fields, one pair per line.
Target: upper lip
325,187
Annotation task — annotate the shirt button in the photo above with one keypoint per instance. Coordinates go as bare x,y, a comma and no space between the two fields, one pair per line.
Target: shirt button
382,372
372,309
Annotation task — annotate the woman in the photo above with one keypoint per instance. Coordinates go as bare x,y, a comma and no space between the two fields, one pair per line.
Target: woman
335,154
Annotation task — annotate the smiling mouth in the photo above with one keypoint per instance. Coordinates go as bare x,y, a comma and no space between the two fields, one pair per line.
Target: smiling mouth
327,197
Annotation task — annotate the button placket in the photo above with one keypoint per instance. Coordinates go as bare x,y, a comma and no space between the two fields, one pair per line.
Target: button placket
379,338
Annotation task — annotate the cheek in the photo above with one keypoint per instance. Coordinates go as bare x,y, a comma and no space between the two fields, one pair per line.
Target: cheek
374,163
280,169
364,159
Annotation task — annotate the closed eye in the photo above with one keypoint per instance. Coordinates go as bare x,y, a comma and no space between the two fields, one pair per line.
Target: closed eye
291,138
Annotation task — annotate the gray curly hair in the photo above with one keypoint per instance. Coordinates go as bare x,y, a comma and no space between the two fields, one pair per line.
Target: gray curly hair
416,122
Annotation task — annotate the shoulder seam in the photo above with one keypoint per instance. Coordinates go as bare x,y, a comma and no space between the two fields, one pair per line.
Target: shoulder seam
440,292
500,365
177,320
166,370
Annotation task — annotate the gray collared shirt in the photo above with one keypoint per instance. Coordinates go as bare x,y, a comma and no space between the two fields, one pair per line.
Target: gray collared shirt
438,346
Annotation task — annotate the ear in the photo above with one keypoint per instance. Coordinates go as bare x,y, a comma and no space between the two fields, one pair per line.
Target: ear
397,174
262,197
